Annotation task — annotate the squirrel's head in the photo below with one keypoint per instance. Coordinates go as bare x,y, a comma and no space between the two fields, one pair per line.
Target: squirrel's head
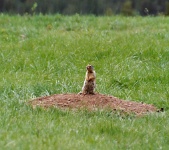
89,68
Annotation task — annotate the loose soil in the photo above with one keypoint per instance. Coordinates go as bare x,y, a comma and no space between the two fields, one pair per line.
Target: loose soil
92,102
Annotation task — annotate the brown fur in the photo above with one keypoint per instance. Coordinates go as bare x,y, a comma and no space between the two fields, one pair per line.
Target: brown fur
90,81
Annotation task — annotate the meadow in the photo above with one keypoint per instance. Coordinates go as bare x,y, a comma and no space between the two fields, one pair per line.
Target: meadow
45,55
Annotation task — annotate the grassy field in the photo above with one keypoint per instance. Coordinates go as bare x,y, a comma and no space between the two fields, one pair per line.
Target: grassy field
44,55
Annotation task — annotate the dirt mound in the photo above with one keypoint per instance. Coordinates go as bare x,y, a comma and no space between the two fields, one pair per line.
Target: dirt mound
92,102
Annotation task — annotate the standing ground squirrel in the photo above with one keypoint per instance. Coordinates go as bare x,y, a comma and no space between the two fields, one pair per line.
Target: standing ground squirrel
90,81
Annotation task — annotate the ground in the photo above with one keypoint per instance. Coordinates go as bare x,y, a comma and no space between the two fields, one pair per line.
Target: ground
93,102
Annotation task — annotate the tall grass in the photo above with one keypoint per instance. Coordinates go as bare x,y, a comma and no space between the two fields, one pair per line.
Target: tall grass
44,55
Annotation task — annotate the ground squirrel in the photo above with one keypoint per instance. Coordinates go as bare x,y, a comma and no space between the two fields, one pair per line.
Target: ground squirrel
90,81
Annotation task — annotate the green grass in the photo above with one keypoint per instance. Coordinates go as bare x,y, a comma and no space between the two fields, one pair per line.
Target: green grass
44,55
